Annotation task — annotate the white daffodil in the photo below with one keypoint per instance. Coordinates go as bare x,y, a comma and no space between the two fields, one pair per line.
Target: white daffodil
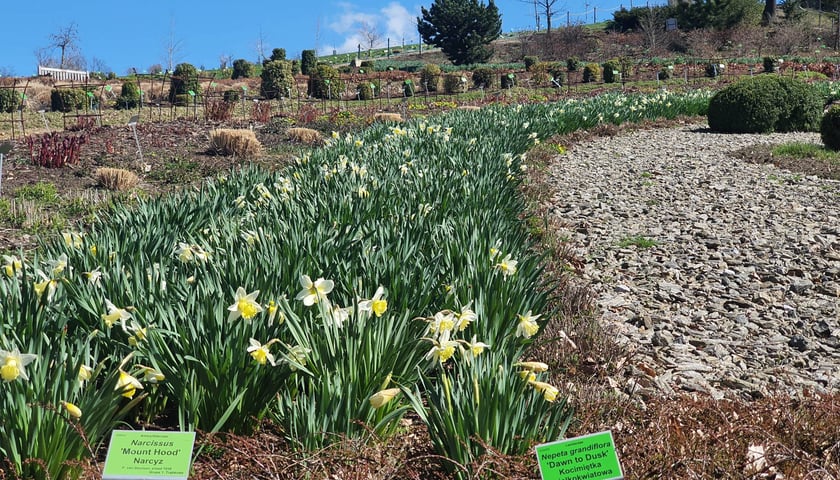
12,364
114,314
527,326
245,305
260,353
314,292
377,304
127,385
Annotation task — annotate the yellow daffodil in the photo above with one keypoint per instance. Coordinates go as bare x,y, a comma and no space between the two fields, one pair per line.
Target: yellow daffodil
13,267
272,308
13,363
297,354
85,373
363,192
59,265
537,367
549,391
507,266
127,385
93,250
382,397
260,352
377,304
94,276
72,410
314,292
464,318
72,239
245,305
46,286
339,315
442,322
114,314
150,375
474,348
139,334
527,326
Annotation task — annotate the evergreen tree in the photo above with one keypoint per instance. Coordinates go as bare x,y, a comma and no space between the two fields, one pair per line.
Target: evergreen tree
462,29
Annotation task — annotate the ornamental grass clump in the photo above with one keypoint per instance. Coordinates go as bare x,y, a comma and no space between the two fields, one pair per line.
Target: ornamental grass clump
307,136
116,179
241,143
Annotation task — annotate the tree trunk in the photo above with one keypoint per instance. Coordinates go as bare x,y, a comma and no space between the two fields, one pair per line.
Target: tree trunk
769,12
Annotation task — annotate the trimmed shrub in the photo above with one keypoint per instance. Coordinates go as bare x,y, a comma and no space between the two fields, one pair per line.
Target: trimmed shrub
482,77
277,79
771,65
666,72
591,72
830,128
129,96
507,80
765,104
612,71
324,82
231,96
530,61
367,65
714,69
572,64
277,54
10,100
116,179
184,80
242,69
67,99
454,83
408,87
242,143
364,91
183,100
303,135
430,77
308,62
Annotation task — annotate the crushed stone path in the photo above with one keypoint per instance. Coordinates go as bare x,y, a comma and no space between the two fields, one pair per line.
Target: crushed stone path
722,276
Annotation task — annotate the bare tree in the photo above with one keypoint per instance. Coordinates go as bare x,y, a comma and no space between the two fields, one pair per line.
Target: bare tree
260,47
224,60
66,41
173,48
96,64
370,34
549,8
652,24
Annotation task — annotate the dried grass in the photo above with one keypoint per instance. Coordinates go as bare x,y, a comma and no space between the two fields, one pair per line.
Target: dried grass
241,143
303,135
388,117
469,107
116,179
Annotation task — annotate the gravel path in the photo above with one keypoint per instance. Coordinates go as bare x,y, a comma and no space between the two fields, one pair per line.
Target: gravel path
740,294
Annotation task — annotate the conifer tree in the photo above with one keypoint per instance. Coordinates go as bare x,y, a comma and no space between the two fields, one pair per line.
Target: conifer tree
463,29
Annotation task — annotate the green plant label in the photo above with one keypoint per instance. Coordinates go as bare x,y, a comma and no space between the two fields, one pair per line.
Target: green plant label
244,88
90,94
192,94
590,457
615,72
510,76
327,81
108,88
140,455
213,84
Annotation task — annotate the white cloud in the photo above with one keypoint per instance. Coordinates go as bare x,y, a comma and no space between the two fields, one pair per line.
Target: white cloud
393,21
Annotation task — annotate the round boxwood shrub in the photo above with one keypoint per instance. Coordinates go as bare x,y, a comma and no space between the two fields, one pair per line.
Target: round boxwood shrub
324,82
765,103
454,83
572,64
231,96
482,77
10,100
612,71
507,80
430,77
591,72
184,80
365,90
67,99
830,128
129,95
277,79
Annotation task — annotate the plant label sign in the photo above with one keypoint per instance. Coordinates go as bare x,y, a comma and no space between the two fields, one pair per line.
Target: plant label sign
140,455
590,457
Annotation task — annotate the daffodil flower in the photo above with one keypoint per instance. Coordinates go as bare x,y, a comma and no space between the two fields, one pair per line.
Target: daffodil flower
13,267
549,391
260,352
382,397
93,276
442,349
314,292
464,318
59,265
139,334
13,363
84,374
127,385
114,314
537,367
339,315
527,326
72,239
507,266
474,348
297,354
150,375
443,322
72,410
377,304
244,305
272,309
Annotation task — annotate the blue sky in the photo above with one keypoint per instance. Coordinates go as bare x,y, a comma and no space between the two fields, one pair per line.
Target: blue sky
122,35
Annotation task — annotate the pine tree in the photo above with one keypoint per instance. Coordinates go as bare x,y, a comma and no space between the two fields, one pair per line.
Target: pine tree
462,29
